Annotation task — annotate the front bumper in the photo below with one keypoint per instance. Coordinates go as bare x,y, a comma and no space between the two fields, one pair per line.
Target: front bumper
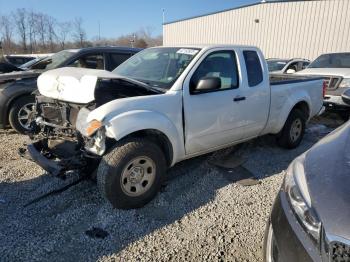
292,242
335,104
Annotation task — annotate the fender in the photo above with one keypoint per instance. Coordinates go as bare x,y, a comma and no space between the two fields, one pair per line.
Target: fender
283,110
129,122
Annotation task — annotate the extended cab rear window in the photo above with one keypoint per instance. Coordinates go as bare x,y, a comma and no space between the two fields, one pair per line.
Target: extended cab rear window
253,66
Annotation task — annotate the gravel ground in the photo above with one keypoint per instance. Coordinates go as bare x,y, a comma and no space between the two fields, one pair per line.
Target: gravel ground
203,212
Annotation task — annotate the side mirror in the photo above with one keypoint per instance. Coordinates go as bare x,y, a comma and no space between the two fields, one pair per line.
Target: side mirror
207,84
346,97
290,71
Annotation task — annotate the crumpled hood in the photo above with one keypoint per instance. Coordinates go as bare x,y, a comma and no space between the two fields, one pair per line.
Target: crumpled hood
343,72
75,85
327,170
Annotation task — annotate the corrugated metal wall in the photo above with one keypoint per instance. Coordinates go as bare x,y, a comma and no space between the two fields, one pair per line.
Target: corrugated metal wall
285,29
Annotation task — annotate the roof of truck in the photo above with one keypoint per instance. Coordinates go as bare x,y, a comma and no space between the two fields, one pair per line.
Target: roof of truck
210,46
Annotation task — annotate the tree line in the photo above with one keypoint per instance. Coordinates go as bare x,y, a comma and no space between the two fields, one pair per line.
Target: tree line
25,31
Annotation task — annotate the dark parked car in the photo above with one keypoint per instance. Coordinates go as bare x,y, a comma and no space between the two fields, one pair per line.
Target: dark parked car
310,220
16,98
18,60
6,67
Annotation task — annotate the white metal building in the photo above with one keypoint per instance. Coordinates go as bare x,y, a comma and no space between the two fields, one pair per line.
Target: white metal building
282,29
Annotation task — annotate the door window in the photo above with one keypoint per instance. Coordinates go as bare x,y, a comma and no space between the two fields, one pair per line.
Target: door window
92,61
305,65
293,66
253,66
117,59
221,64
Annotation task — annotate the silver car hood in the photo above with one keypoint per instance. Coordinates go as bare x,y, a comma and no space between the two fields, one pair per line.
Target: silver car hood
327,171
343,72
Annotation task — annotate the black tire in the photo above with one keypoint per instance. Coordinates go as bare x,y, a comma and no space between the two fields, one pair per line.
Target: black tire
15,109
110,171
285,138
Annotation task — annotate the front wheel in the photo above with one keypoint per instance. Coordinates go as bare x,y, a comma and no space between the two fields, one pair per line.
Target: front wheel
130,175
20,114
293,130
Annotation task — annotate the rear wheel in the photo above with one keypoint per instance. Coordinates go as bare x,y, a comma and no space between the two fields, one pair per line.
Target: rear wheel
130,175
20,114
293,130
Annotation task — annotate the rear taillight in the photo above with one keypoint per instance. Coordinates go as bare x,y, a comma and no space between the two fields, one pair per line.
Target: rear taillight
324,86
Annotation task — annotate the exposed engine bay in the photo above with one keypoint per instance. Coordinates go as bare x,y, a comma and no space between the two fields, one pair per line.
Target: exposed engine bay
58,141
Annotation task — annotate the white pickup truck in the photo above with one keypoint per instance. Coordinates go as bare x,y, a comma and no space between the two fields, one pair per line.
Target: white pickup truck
162,106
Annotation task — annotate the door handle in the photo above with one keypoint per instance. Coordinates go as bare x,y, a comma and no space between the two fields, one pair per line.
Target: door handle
239,98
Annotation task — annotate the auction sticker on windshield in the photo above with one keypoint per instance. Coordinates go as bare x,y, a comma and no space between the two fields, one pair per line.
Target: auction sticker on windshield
186,51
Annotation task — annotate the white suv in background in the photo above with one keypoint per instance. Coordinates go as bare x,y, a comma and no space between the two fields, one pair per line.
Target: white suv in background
335,68
286,66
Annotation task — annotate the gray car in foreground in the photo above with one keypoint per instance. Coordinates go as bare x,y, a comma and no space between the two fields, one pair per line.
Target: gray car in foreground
310,219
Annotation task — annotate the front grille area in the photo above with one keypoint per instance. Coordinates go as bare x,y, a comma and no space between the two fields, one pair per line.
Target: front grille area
340,252
52,113
332,82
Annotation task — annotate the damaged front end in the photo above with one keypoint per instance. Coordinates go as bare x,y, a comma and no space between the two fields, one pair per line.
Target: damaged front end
56,144
62,139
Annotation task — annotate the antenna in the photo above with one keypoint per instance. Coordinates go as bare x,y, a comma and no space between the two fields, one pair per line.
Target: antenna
163,10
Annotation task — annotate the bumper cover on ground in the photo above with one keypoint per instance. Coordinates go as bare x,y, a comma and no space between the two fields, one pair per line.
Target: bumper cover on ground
34,154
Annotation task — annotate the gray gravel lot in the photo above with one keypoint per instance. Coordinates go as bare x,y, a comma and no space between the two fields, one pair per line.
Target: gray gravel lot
201,214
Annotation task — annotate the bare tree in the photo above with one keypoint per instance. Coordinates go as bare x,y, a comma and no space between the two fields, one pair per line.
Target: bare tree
6,28
146,33
39,32
20,17
79,34
41,28
63,31
141,43
32,30
51,33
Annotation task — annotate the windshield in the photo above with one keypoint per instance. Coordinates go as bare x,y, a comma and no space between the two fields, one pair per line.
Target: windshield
276,65
157,67
53,61
30,63
339,60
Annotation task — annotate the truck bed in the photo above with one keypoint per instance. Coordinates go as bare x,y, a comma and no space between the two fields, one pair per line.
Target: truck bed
285,90
280,79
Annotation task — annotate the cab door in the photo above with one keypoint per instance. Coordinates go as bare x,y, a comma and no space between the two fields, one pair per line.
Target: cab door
212,118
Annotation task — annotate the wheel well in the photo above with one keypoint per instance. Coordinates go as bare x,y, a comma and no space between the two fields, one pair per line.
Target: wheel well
303,107
10,104
159,139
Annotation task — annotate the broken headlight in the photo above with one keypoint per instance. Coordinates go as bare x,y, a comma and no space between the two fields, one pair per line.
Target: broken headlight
97,143
298,196
84,127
